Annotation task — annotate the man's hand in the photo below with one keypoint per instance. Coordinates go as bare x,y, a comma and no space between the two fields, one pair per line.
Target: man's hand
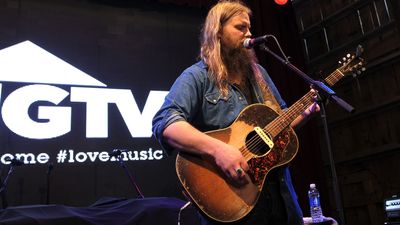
304,116
311,110
232,163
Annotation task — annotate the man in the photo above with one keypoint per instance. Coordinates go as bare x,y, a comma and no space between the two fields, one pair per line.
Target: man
210,94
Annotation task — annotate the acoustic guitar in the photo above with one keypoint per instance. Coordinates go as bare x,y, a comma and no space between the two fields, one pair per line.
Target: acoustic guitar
266,141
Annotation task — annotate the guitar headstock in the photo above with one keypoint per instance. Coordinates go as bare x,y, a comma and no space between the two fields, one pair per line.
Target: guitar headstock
352,63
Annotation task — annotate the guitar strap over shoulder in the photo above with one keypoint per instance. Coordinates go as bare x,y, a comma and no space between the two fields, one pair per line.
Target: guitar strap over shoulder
269,99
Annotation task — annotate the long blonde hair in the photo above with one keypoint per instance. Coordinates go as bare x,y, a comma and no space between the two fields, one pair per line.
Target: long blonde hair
210,51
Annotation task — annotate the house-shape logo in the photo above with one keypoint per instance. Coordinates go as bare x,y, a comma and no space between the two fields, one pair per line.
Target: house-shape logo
42,71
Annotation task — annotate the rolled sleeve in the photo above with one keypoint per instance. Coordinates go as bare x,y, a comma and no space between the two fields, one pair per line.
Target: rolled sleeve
180,105
162,121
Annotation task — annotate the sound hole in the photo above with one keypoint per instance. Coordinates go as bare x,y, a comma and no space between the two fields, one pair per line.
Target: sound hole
255,144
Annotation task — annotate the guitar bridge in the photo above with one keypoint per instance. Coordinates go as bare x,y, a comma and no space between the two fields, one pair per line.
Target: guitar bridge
264,137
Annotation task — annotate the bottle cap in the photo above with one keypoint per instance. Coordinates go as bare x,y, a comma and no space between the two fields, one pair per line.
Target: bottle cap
312,186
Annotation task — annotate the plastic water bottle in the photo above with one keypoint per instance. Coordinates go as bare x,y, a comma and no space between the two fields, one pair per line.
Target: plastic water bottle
315,204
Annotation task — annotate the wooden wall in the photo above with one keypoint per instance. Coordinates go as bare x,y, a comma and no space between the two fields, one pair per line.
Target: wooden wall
365,144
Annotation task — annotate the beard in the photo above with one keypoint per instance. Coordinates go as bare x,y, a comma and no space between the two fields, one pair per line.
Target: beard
238,59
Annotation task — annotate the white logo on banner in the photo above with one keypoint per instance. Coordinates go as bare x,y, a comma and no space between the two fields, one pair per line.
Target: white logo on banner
28,63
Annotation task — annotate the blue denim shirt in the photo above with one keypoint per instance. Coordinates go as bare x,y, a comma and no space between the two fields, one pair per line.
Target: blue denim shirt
195,98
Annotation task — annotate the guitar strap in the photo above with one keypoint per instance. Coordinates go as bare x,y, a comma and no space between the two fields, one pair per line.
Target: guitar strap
269,98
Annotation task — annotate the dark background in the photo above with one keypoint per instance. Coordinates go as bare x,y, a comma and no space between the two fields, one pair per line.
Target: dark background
141,46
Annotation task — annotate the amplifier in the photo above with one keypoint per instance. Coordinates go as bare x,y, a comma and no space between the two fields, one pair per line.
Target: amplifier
392,208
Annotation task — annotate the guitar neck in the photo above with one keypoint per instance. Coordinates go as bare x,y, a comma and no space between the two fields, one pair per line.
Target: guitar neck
334,77
287,117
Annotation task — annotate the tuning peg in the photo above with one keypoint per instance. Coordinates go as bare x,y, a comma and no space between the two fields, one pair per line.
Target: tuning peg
344,59
348,55
363,69
358,72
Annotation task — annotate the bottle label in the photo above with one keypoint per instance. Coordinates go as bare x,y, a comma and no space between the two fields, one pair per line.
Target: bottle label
314,201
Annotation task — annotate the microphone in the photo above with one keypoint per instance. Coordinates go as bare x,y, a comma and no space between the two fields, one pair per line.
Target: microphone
115,153
252,42
15,161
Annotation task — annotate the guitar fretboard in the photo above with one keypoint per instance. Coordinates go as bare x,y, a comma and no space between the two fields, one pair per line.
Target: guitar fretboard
275,127
334,77
287,117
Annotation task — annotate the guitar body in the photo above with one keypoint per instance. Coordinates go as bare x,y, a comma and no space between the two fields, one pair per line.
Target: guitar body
208,187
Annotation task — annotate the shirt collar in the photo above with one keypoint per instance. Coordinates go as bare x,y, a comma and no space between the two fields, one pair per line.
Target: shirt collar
202,64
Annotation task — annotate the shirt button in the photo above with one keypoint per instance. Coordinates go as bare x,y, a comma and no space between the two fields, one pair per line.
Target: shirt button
214,100
240,98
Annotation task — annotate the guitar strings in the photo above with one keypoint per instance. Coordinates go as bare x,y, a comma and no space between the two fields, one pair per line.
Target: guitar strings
331,79
256,142
336,75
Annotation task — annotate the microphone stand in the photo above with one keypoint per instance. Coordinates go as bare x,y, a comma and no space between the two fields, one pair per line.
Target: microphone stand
49,169
3,189
330,95
317,85
117,153
335,183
